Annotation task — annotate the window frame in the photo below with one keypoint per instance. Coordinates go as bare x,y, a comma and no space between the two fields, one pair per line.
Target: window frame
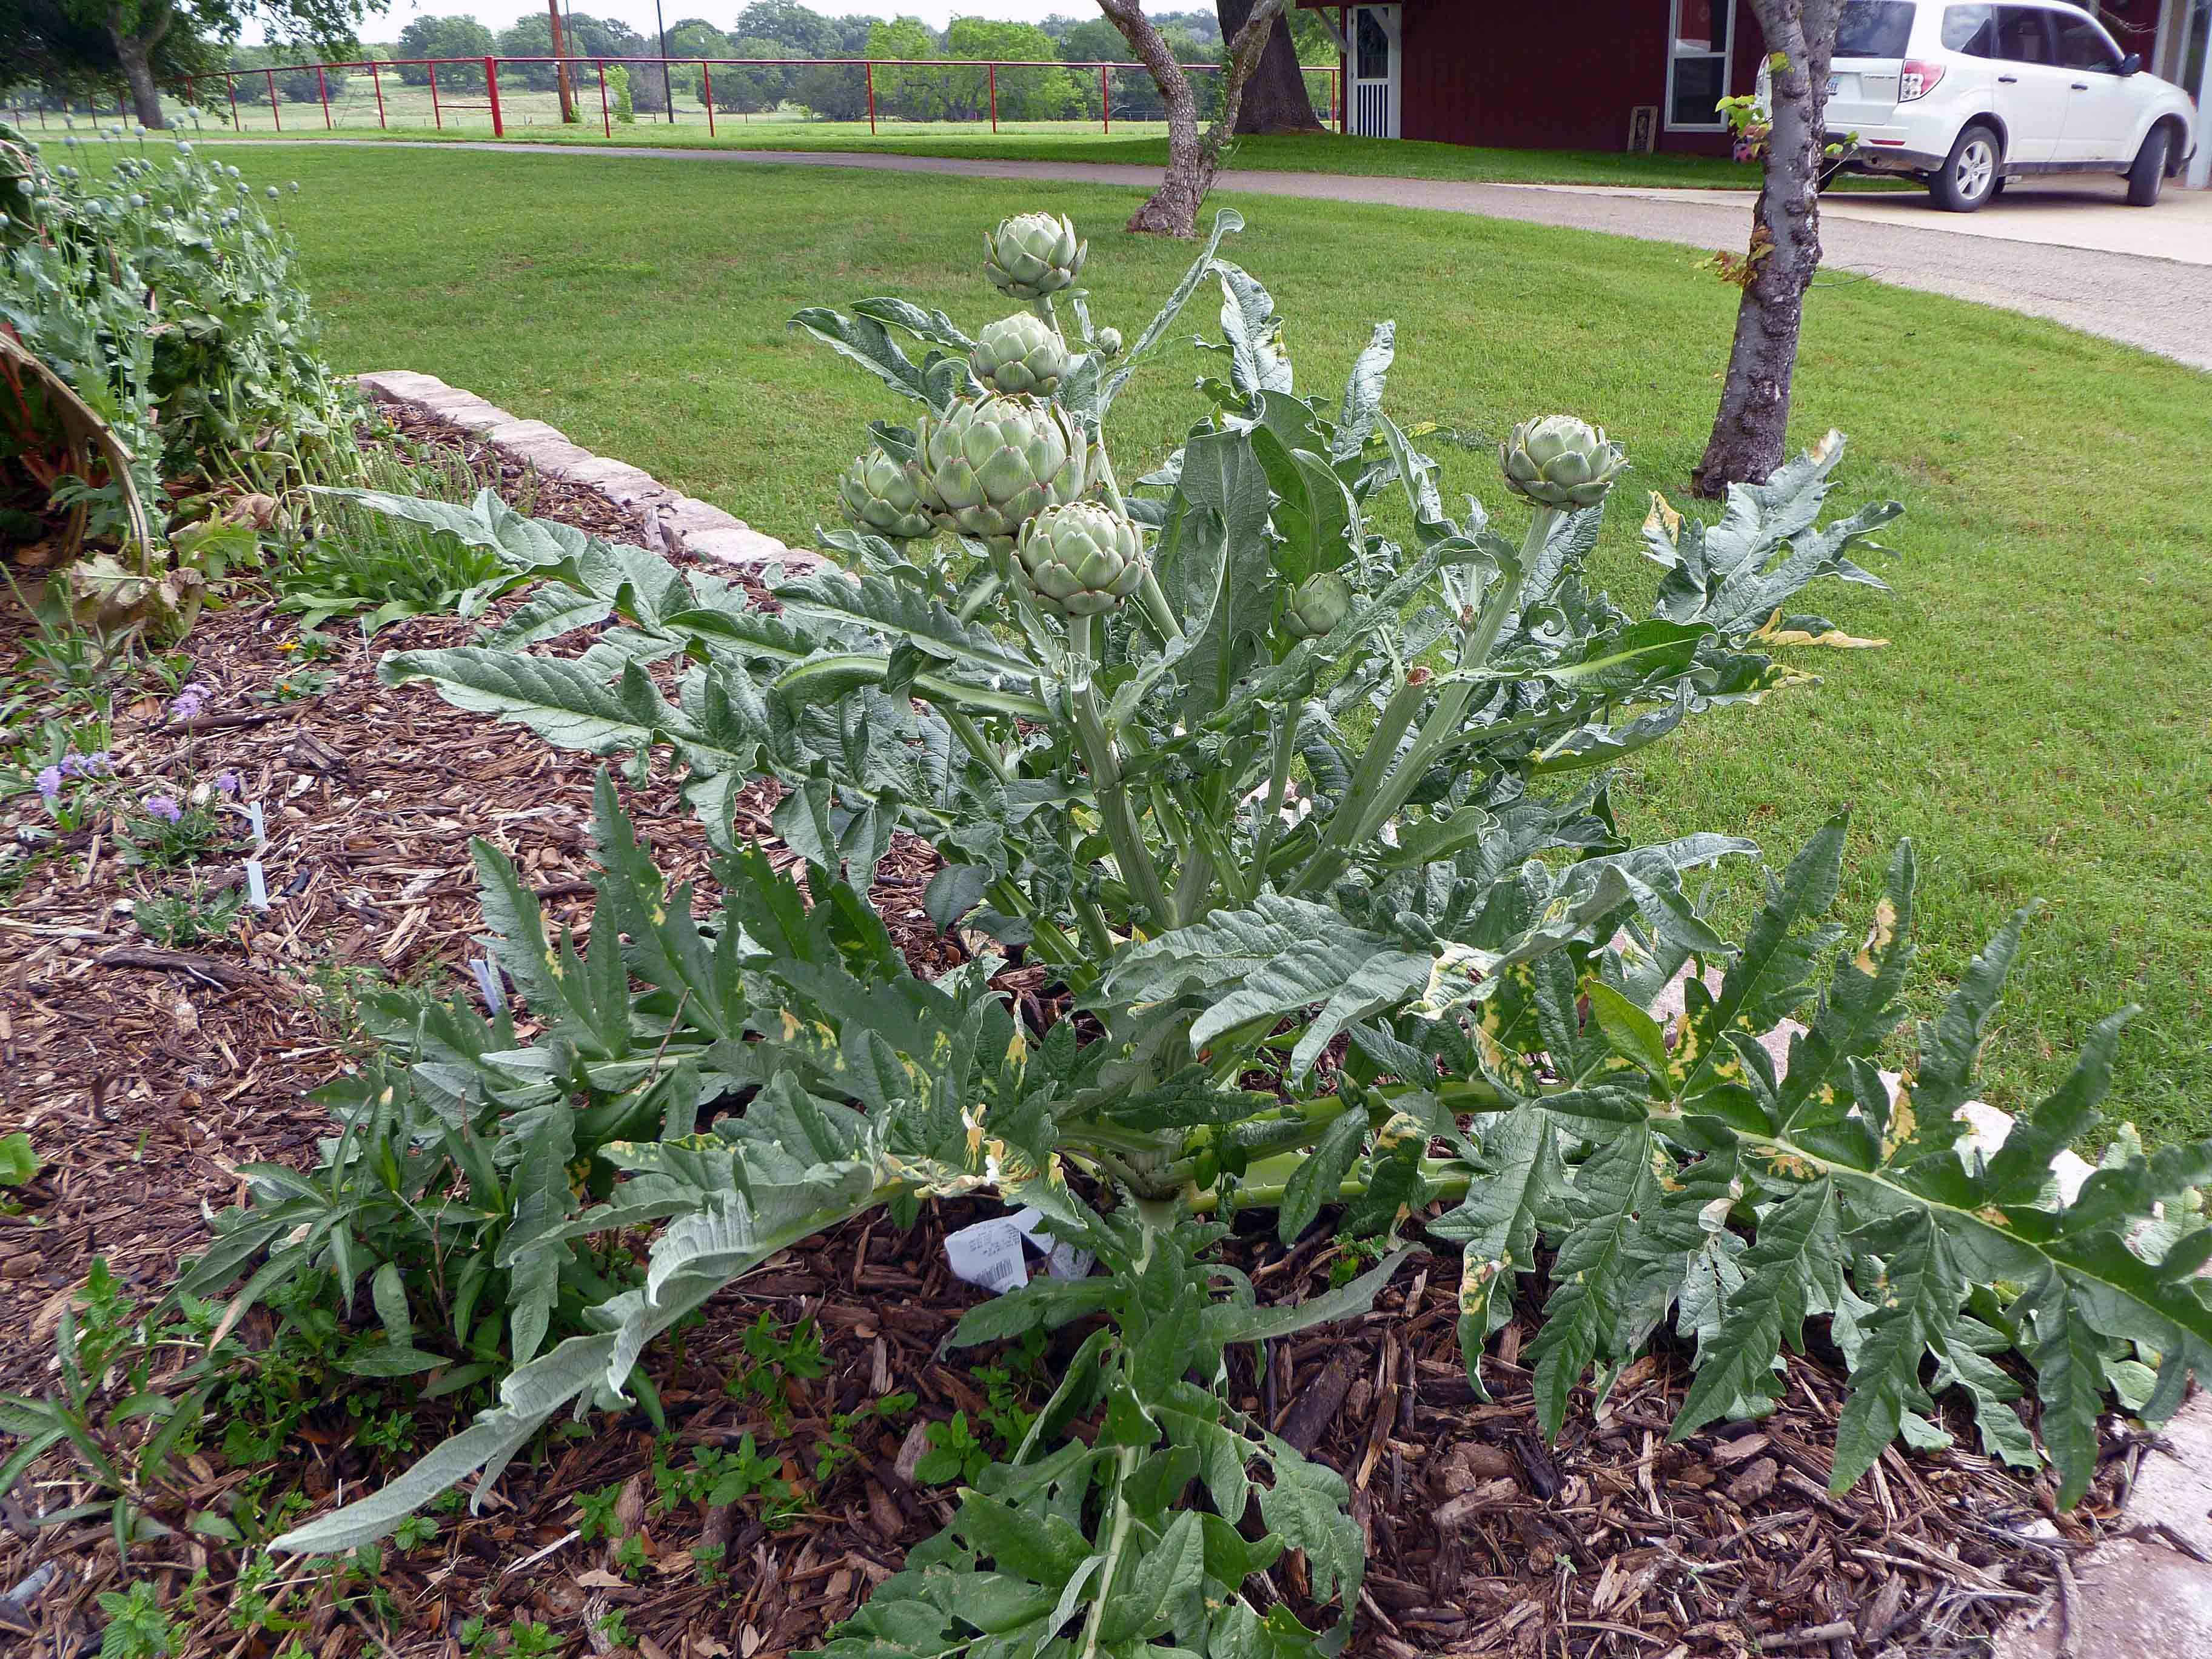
1727,56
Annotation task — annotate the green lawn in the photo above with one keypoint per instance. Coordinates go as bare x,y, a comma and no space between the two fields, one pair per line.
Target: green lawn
533,119
2038,723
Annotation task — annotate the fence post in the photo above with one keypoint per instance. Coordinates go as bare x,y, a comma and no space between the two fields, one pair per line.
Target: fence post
871,68
437,115
607,116
322,92
376,80
706,93
995,97
1105,98
275,114
230,86
491,90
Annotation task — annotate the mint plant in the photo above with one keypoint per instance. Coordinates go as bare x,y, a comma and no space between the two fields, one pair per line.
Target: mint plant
1315,826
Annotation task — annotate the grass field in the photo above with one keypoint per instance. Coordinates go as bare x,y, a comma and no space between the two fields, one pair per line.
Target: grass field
2038,723
534,118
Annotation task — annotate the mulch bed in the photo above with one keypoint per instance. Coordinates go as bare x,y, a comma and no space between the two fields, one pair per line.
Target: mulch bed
146,1078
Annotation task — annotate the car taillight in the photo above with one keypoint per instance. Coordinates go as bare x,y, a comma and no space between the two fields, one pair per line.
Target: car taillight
1917,80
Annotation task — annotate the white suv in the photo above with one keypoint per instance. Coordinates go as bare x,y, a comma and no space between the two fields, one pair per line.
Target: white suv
1967,96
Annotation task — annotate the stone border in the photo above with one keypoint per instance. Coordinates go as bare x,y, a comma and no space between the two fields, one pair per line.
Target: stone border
666,519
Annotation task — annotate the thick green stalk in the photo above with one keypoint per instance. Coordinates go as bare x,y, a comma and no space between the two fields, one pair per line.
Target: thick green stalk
977,744
1330,857
1279,783
985,590
1128,841
1442,1177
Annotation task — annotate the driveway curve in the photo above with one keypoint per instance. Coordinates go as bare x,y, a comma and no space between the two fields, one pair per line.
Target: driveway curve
2161,305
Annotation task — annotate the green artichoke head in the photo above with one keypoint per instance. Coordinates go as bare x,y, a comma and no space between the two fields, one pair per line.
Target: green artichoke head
882,495
1079,560
1020,354
1557,460
1109,341
1317,604
1033,254
988,466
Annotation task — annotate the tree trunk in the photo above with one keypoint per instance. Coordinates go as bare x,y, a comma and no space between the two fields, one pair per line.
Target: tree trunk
135,52
1193,158
1277,100
1751,428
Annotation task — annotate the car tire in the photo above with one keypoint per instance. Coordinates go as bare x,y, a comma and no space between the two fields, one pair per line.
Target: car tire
1970,173
2147,176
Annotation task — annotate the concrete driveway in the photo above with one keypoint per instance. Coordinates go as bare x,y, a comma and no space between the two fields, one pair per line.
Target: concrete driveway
2057,250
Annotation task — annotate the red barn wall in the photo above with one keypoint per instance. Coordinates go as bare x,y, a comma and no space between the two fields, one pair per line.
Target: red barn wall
1558,77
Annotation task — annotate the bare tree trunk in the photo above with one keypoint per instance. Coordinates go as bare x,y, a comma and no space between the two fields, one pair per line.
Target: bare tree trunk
1193,158
1277,101
135,52
1751,427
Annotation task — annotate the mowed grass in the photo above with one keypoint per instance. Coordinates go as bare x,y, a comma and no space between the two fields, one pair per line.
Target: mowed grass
2038,725
534,118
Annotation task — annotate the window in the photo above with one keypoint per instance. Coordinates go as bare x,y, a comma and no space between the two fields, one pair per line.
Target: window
1698,63
2083,46
1874,28
2024,35
1972,30
1372,46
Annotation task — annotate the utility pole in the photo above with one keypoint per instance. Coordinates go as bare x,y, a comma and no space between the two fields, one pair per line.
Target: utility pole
667,93
560,67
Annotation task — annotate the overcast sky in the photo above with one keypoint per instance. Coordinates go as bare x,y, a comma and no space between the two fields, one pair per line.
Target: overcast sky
496,15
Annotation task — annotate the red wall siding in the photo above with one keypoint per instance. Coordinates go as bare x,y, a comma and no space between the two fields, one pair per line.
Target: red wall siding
1559,76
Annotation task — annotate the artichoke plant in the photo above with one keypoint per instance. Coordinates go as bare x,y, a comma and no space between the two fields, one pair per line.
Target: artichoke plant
1559,461
1020,354
989,466
1317,604
1080,560
1033,255
882,495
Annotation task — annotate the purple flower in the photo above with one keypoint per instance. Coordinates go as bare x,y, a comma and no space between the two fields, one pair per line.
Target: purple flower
50,784
94,765
165,808
186,704
226,783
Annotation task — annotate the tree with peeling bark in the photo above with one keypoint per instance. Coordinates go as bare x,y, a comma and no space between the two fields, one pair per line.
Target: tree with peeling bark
1750,430
1276,99
1193,157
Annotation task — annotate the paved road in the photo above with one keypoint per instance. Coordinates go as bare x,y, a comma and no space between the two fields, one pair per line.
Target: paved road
2162,305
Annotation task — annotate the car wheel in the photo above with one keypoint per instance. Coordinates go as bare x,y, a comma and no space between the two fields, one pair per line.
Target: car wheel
1998,189
2147,176
1969,176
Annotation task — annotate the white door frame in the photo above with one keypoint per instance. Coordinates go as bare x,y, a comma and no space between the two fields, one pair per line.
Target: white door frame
1727,56
1374,103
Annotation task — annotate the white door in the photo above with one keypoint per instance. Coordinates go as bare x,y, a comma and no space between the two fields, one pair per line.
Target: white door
1375,58
2101,112
2032,90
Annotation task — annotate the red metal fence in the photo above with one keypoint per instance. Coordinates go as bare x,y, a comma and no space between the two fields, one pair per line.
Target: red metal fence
967,89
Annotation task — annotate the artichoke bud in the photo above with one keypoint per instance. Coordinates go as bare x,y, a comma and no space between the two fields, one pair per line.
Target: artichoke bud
1561,462
882,495
1109,341
1317,604
987,467
1032,255
1020,354
1079,560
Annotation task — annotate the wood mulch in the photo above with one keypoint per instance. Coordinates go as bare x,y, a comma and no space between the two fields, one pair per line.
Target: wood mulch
145,1080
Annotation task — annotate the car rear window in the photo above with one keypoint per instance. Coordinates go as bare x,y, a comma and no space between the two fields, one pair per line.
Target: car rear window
1875,28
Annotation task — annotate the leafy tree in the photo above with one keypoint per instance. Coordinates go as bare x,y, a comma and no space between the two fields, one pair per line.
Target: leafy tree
920,94
298,86
753,89
797,31
835,92
694,37
1751,427
445,37
150,44
1025,95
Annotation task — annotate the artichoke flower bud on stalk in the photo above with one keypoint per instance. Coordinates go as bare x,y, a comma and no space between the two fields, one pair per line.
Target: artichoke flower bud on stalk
1020,354
1080,560
882,495
1559,461
988,466
1033,255
1110,342
1317,604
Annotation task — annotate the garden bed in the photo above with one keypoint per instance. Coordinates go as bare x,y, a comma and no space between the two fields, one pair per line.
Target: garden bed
146,1079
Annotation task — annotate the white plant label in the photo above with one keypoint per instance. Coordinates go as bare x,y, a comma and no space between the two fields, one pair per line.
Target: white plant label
988,1256
495,995
260,827
257,885
1061,1260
